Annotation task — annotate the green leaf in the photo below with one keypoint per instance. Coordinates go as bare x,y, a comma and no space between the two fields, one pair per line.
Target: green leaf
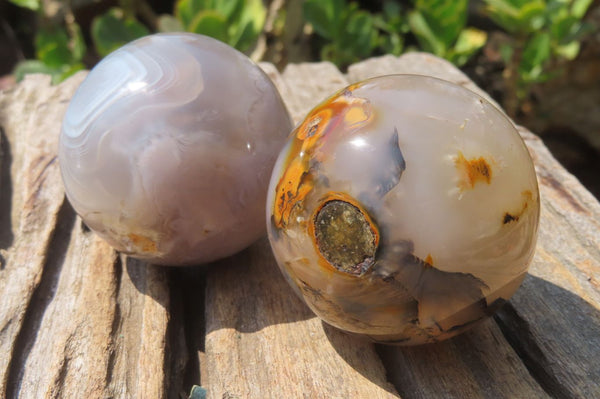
66,71
391,9
112,30
210,23
568,51
360,35
392,44
469,41
502,8
31,4
531,15
445,19
186,10
380,23
577,31
52,46
236,22
231,9
391,20
340,56
244,36
30,66
55,48
325,16
425,35
580,7
506,52
328,53
58,74
517,16
244,31
77,43
168,23
535,54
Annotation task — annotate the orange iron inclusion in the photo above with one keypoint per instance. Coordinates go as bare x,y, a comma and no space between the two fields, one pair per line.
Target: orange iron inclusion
344,110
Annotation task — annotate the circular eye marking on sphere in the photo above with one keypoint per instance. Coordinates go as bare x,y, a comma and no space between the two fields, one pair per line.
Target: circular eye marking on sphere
345,236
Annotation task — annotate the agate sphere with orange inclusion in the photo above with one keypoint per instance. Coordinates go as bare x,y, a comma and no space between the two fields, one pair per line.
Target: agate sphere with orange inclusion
404,208
167,148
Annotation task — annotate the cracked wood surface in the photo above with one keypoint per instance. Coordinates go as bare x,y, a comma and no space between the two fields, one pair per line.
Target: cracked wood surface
79,320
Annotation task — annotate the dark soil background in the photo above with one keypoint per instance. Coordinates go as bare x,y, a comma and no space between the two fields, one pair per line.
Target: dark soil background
564,112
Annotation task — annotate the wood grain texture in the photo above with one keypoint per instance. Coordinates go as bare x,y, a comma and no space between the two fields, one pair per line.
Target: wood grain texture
76,319
79,320
263,342
553,321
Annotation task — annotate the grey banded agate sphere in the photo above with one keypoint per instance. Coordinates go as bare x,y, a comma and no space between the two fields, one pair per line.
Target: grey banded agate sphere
167,147
404,208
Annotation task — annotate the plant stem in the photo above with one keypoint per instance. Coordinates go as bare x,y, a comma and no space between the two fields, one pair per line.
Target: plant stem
147,14
261,43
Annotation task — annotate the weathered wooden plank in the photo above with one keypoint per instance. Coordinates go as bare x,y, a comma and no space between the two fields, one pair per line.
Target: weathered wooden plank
476,364
74,321
54,337
77,320
35,192
261,340
553,321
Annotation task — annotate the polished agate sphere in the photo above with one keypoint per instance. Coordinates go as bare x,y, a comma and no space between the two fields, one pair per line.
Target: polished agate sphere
167,147
404,208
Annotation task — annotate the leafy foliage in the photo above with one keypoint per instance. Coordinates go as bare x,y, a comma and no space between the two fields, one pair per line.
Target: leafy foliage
60,48
439,26
113,29
517,16
235,22
352,34
542,29
392,27
31,4
543,34
57,53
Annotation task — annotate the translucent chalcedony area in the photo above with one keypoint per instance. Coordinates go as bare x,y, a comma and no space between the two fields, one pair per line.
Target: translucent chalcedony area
404,208
167,147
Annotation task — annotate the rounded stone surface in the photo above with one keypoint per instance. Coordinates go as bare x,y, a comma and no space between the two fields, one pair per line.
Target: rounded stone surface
167,147
405,208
